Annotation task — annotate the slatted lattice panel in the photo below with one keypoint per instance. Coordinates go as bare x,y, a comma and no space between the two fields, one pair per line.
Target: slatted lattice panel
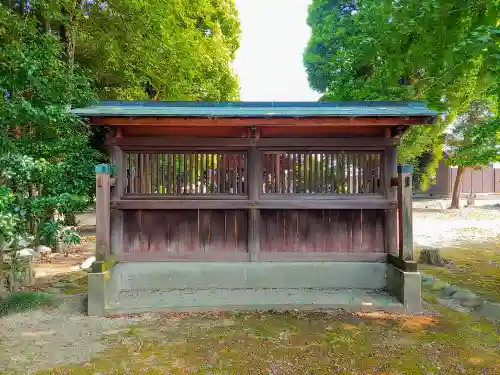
321,173
183,173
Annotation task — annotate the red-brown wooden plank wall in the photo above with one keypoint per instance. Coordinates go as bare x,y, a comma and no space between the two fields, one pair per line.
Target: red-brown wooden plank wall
322,231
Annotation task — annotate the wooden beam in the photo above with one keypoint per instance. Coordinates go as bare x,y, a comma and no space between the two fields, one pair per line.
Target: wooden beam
103,197
170,204
404,265
212,256
278,256
268,204
180,143
326,143
327,204
245,121
405,213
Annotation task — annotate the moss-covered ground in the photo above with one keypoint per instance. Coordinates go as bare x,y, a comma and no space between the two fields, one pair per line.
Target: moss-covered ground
443,342
474,268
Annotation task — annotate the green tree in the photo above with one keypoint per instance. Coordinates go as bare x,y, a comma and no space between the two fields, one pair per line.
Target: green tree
473,142
45,161
177,50
445,52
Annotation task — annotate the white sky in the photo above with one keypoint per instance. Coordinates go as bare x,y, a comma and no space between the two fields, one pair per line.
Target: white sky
269,61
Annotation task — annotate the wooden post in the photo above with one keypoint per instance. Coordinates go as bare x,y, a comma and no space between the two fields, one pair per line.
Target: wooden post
254,186
405,212
117,192
103,176
391,218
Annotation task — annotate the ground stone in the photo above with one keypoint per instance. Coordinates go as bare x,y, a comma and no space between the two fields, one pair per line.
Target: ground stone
448,291
439,285
87,263
463,294
489,310
64,285
426,279
42,249
472,302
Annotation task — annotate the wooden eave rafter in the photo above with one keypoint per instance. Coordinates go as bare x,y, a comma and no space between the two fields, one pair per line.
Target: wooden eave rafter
260,121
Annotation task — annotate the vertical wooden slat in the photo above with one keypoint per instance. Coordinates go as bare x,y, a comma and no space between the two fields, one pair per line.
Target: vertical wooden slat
361,171
162,173
368,187
366,172
234,172
305,172
170,172
331,175
283,167
128,160
325,173
202,173
349,181
311,173
341,172
300,174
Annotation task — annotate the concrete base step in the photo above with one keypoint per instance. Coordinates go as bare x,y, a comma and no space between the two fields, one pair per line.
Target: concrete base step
190,300
243,275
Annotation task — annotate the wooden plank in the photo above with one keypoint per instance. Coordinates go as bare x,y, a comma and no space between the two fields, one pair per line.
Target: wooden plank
235,175
212,256
409,266
277,204
358,229
369,226
179,204
258,121
344,256
405,213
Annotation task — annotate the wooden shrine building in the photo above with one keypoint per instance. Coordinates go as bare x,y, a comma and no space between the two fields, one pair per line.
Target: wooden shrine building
196,191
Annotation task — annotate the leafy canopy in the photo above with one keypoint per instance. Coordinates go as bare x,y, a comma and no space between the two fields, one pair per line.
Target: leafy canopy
181,49
446,52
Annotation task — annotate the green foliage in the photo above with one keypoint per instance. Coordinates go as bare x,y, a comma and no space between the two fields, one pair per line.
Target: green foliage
445,52
475,139
24,301
179,49
45,162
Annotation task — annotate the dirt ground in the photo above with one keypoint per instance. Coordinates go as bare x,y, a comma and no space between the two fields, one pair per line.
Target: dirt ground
62,335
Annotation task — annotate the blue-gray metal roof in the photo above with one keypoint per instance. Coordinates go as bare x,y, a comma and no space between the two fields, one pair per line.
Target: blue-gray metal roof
255,109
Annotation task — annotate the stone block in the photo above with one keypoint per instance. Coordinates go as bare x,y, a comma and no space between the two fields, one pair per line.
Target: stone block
405,286
97,293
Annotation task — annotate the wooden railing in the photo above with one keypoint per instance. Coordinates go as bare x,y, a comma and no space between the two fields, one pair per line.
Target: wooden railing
322,173
185,173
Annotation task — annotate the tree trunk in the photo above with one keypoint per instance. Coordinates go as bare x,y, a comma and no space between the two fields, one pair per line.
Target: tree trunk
432,257
455,199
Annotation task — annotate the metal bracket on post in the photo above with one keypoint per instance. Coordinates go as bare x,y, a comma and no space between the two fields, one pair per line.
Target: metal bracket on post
405,212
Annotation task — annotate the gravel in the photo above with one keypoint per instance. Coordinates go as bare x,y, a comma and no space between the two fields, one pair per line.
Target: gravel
47,338
437,227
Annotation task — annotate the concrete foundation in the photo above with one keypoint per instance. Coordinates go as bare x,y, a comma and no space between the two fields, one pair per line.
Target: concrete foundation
194,286
406,287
